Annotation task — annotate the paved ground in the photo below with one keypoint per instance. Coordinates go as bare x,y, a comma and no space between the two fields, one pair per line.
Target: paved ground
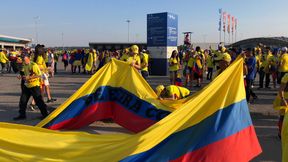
64,84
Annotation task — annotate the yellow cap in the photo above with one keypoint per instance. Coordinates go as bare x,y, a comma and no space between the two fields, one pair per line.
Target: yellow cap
159,89
135,49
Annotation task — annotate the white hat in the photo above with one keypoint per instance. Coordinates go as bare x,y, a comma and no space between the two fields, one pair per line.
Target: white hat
284,49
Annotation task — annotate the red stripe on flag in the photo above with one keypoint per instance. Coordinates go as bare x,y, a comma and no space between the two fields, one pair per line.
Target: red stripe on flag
103,110
241,147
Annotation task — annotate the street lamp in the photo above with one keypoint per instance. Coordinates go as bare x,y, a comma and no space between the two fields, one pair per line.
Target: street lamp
128,21
36,19
62,34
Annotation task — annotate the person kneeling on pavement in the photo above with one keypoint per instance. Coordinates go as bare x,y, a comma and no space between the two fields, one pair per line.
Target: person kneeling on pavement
32,75
171,92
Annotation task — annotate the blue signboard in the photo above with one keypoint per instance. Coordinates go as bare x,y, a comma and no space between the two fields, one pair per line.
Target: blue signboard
172,29
162,29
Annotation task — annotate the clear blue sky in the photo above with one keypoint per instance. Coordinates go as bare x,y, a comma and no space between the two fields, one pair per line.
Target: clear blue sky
84,21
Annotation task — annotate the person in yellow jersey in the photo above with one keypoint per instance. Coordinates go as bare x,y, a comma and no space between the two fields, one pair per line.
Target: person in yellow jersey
174,63
283,63
40,61
186,72
190,63
144,64
3,61
32,75
210,66
95,60
171,92
262,74
89,63
267,66
257,54
224,61
217,53
134,58
280,103
198,66
273,66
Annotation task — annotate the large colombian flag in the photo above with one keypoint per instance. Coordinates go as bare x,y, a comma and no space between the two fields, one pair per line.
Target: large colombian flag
214,125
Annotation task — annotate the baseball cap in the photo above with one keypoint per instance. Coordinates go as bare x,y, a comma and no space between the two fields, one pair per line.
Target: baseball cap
159,89
135,49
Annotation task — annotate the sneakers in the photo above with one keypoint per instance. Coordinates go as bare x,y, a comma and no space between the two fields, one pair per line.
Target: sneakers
32,107
51,100
19,118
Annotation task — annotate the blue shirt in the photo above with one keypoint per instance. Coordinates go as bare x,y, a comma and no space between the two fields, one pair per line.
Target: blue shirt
251,65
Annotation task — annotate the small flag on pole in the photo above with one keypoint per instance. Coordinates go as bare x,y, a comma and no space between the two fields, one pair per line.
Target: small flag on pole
220,19
228,25
224,22
233,23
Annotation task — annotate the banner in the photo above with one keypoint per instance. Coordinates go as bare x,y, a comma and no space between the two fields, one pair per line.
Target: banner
213,125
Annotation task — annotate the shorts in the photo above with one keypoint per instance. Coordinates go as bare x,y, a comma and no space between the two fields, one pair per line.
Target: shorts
48,64
65,62
197,75
45,79
77,63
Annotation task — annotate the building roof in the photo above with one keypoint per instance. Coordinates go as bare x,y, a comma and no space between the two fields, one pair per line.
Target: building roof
10,39
268,41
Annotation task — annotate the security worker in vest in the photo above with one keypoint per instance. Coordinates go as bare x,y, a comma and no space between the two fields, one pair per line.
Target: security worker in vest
32,76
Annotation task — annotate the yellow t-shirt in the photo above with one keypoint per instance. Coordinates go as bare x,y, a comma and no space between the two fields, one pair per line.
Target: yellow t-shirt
284,63
277,103
177,91
210,62
30,70
258,61
173,64
144,62
263,59
41,63
284,79
135,58
191,62
3,58
124,57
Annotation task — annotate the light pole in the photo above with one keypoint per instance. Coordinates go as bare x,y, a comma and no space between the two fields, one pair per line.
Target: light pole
36,27
62,34
128,22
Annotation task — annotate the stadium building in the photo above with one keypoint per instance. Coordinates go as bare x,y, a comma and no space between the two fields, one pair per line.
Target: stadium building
9,42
